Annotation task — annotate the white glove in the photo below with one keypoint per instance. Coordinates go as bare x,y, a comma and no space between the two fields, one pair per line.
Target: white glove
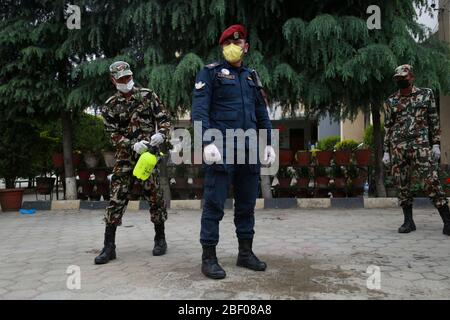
269,155
386,158
156,139
436,151
140,147
211,153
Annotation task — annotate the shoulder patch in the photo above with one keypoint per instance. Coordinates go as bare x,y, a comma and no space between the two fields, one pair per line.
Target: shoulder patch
110,99
145,91
212,65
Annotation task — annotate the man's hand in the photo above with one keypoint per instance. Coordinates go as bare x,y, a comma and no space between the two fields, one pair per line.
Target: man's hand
156,139
386,158
211,153
269,155
140,147
436,151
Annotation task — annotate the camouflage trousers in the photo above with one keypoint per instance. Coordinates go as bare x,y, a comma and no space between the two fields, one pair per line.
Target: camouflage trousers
416,155
122,182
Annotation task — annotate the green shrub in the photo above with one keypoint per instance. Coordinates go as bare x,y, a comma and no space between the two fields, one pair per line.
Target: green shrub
368,136
328,143
346,145
89,134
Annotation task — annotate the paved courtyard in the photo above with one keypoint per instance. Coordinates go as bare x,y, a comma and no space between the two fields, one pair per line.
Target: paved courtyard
311,254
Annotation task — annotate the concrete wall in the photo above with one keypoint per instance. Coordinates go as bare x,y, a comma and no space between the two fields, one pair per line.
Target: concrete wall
444,34
353,129
327,128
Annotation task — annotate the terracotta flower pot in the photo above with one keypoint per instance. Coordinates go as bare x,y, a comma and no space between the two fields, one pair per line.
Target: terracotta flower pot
303,182
84,175
322,182
286,157
358,183
100,175
340,183
324,157
303,158
11,199
284,182
342,157
76,160
363,157
58,160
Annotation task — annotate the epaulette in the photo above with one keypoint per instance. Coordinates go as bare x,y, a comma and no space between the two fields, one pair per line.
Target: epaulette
145,91
110,99
212,65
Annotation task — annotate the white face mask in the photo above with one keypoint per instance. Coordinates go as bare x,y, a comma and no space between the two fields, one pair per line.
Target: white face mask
125,88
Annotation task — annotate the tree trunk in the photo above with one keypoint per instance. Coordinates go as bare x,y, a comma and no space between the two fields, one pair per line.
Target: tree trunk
164,180
70,180
266,187
379,169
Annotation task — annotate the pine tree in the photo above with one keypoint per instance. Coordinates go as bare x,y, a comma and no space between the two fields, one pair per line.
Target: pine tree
319,53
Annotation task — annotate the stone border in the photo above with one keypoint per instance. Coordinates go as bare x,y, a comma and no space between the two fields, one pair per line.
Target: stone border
276,203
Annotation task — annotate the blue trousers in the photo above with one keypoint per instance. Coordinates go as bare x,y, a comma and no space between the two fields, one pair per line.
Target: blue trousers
245,181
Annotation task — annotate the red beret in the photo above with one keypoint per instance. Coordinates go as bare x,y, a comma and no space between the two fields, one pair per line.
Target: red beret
235,31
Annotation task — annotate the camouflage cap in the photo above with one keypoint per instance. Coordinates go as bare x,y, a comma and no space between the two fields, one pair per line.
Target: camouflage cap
120,69
403,70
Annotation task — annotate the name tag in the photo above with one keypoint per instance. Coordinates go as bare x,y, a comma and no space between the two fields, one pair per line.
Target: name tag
226,76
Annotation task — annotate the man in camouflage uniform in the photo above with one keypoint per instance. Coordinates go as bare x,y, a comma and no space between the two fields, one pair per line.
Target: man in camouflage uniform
413,139
130,116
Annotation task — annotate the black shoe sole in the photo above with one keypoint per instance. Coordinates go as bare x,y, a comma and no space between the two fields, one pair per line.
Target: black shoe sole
215,277
243,265
157,254
101,262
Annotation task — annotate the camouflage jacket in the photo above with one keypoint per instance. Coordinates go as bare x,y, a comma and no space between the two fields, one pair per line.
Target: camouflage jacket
133,120
412,118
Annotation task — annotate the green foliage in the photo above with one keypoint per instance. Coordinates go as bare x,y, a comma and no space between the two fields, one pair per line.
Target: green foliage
328,143
90,135
346,145
368,136
303,172
16,143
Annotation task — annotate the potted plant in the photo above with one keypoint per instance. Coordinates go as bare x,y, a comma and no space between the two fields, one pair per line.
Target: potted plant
363,155
339,177
303,158
303,177
285,175
286,157
325,148
90,137
321,177
343,151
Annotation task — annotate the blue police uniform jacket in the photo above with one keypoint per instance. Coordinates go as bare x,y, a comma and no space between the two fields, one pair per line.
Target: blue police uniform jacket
226,97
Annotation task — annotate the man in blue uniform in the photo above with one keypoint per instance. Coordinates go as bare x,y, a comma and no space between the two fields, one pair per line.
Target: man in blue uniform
228,95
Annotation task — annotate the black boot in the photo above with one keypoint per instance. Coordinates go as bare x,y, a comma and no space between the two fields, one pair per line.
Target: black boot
444,211
210,266
160,240
409,224
109,249
246,257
